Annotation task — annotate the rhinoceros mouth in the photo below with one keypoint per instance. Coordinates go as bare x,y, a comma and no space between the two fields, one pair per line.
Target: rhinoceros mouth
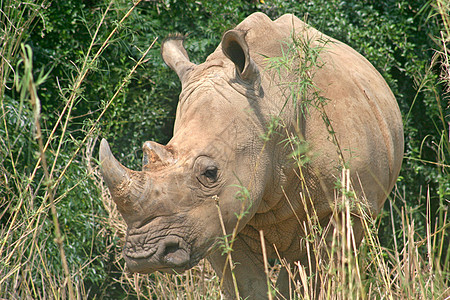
164,254
142,253
164,244
139,247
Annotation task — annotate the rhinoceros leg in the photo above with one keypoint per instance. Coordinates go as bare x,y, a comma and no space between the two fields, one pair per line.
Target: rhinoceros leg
249,272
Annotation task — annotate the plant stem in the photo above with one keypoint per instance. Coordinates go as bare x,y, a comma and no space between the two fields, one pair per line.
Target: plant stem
229,249
48,176
266,264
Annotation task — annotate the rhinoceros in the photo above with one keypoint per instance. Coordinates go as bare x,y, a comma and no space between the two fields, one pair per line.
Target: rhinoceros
222,158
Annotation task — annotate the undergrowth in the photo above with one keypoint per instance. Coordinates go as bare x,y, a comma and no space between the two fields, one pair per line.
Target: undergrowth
49,172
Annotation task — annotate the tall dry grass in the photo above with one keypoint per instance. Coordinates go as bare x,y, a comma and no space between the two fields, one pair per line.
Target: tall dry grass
30,195
417,267
336,268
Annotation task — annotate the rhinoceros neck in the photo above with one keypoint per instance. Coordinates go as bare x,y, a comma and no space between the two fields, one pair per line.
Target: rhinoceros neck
281,210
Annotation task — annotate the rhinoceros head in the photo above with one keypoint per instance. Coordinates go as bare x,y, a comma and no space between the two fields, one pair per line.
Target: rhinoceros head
170,206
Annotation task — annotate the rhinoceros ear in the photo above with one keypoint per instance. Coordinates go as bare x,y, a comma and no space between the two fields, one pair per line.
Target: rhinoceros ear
236,49
175,56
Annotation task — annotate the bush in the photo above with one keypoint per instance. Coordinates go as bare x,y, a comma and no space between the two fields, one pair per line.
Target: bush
84,96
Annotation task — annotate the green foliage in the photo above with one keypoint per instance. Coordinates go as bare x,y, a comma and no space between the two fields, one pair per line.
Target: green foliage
130,107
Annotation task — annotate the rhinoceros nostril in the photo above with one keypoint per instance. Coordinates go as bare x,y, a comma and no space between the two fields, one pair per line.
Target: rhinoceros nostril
171,247
174,254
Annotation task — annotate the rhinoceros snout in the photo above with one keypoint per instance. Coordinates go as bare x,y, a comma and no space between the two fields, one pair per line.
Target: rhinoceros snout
167,255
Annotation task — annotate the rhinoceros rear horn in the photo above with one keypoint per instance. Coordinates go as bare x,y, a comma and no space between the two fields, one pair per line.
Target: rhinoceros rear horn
235,47
155,156
175,56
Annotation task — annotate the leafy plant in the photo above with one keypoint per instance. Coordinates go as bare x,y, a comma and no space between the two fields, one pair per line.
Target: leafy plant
95,74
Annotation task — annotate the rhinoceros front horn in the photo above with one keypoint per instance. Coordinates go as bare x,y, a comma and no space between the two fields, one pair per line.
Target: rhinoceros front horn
125,185
114,173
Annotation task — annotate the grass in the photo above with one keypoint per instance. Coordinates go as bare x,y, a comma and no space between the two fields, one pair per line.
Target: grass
28,199
413,269
35,251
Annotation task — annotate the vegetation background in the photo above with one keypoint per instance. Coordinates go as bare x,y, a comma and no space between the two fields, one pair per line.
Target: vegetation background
73,71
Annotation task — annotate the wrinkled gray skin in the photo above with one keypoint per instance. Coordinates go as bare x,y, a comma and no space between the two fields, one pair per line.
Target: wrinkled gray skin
225,106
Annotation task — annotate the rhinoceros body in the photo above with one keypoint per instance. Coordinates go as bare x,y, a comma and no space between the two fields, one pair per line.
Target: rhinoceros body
217,155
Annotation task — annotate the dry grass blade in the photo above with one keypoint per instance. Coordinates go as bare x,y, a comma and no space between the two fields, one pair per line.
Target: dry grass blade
417,266
35,102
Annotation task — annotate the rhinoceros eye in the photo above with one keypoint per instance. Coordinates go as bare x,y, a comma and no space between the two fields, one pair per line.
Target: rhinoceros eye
207,171
211,173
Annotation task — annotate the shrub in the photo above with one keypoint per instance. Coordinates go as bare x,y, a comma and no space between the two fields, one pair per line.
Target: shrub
83,96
